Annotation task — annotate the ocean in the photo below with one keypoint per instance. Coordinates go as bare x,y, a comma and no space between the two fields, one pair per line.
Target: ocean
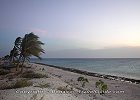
124,67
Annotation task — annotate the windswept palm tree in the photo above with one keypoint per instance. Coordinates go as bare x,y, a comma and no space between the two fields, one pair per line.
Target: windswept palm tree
14,53
18,42
6,57
30,46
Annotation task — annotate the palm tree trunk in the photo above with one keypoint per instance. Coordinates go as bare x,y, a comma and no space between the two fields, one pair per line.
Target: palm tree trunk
17,68
22,64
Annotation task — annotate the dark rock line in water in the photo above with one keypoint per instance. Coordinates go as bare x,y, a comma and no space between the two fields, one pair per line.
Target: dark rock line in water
111,77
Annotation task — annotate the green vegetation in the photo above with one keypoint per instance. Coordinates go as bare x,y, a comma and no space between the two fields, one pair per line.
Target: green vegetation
102,86
82,80
43,85
22,83
30,45
43,69
24,48
4,72
31,74
6,57
18,84
14,53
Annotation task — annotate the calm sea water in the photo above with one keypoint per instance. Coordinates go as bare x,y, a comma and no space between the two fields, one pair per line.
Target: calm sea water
125,67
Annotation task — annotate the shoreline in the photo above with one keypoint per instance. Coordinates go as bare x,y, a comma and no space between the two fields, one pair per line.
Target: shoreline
110,77
65,79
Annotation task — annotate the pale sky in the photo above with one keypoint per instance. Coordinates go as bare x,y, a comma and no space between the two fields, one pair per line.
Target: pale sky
72,25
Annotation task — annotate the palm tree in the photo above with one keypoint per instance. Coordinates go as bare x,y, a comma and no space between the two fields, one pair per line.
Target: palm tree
14,53
18,42
6,57
30,46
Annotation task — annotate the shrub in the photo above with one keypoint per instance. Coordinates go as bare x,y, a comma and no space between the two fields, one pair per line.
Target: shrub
43,69
18,84
4,72
22,83
102,86
43,85
31,74
83,80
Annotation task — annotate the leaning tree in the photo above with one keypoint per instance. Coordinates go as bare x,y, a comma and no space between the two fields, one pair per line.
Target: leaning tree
30,46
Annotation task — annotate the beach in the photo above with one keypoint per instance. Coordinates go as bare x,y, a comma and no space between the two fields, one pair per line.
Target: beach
70,50
63,85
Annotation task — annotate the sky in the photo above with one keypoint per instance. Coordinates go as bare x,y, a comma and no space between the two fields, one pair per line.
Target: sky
74,28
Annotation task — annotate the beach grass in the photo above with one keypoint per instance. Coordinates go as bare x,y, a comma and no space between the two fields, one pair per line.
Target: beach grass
19,84
43,85
4,72
32,74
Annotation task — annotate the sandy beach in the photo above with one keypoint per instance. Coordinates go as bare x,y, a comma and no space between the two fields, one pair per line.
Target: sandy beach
69,49
63,85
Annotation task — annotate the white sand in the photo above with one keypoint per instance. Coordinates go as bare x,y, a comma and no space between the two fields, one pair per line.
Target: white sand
60,78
